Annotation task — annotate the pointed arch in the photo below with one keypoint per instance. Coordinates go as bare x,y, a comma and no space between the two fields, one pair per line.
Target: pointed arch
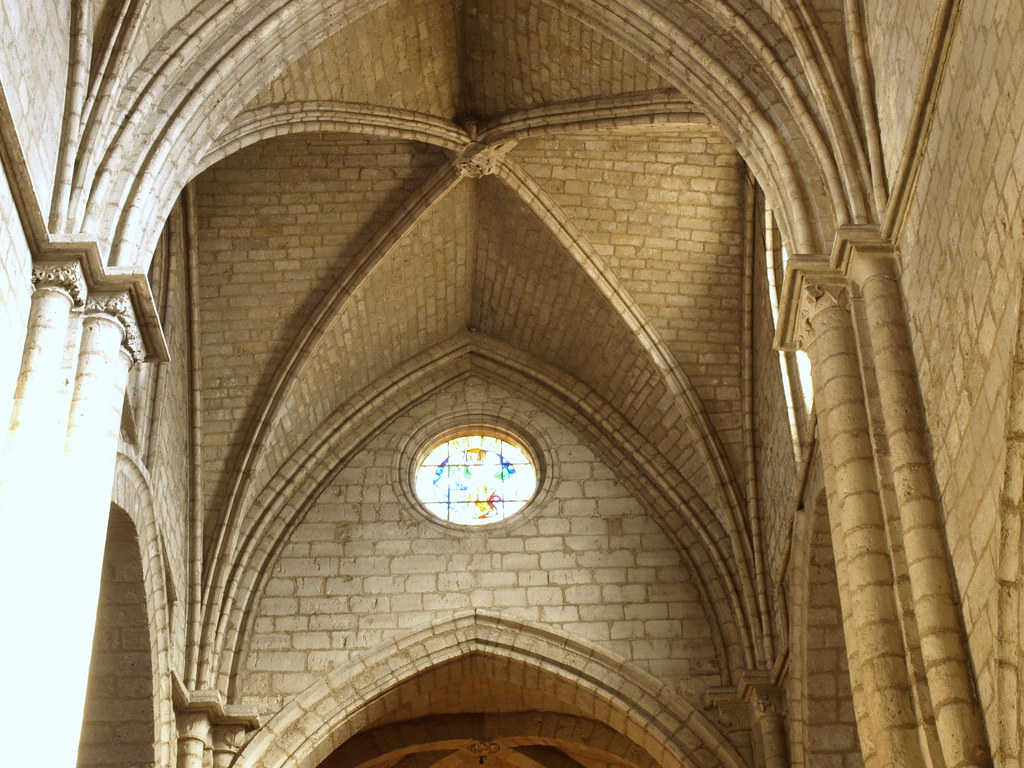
603,687
800,148
281,504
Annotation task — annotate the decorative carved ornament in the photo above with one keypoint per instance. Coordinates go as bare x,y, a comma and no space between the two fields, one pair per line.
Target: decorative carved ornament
477,160
65,275
818,298
119,307
483,748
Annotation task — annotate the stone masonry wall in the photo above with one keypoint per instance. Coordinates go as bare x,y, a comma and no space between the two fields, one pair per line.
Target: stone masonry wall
961,255
15,296
167,453
364,566
898,33
33,85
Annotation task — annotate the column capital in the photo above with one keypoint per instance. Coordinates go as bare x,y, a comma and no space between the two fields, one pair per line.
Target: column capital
119,307
811,289
67,276
102,279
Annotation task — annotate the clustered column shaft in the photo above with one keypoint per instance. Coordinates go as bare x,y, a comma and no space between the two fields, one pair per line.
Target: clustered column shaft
957,713
858,524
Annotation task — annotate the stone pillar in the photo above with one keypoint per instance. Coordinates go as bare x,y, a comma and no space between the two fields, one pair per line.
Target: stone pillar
826,332
944,651
193,739
38,419
771,724
227,741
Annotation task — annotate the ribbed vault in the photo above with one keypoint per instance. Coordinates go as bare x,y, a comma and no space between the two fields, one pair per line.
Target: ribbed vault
764,75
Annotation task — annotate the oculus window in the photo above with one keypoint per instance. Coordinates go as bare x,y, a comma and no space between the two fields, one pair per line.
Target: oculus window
475,477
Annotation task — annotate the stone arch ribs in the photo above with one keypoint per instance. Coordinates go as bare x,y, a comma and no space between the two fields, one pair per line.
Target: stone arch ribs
663,107
281,503
631,702
261,123
125,175
687,400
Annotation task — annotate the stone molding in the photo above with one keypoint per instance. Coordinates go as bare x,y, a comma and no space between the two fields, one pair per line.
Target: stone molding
67,276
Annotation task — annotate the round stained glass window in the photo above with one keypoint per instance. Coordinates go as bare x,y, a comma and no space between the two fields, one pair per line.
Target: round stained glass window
475,479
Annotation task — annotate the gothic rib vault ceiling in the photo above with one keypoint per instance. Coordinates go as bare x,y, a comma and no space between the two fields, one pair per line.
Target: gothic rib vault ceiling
604,239
491,188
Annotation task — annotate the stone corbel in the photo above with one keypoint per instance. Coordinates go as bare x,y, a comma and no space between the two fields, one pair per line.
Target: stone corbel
761,694
731,712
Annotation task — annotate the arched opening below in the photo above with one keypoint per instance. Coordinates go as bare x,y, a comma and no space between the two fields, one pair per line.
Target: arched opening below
118,727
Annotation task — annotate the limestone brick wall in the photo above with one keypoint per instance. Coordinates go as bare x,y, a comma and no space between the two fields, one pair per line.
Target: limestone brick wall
118,726
15,296
364,567
898,34
961,254
319,197
485,69
34,45
663,215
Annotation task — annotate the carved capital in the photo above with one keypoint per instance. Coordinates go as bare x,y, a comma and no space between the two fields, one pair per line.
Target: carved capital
477,160
66,275
194,726
119,307
765,699
818,298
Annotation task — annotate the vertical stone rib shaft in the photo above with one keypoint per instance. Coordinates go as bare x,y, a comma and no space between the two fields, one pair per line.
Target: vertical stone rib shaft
943,648
854,499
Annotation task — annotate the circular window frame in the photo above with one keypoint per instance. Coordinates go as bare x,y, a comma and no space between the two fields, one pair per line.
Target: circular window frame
430,436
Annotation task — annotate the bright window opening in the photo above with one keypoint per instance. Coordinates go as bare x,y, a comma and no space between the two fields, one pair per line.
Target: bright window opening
796,367
475,479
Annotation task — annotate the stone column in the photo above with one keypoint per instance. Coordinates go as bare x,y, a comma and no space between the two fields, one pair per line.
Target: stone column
944,651
771,724
826,331
77,526
38,419
227,741
193,739
38,580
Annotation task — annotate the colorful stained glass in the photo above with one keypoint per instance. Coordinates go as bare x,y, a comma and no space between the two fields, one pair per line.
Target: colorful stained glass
475,479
